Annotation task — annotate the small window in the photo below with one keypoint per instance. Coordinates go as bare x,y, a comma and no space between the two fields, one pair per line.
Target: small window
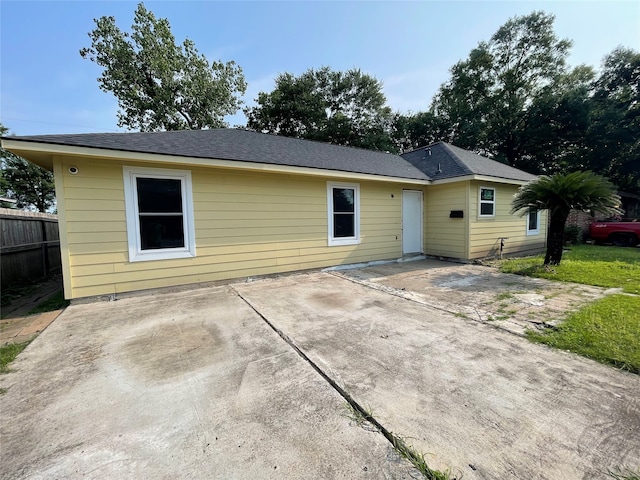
159,214
343,202
487,202
533,222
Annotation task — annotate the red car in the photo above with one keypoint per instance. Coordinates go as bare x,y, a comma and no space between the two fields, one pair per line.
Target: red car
621,234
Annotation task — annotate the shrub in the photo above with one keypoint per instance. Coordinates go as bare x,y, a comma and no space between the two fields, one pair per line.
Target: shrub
573,235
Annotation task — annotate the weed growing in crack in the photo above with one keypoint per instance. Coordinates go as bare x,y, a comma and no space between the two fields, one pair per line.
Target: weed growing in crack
356,416
364,418
626,474
417,460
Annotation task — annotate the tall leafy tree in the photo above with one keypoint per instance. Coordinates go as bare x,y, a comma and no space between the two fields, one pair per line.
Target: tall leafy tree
345,108
160,85
561,193
414,130
613,140
514,99
31,186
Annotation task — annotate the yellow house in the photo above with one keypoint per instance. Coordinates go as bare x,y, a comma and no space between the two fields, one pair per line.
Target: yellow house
148,210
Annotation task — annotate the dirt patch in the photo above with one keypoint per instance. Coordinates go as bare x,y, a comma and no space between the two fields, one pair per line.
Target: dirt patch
480,293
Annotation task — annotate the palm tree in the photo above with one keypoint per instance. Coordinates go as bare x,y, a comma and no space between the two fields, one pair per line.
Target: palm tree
561,193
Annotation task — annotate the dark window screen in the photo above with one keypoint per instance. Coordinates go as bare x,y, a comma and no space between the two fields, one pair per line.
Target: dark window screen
344,212
343,225
343,200
533,219
486,208
159,195
160,213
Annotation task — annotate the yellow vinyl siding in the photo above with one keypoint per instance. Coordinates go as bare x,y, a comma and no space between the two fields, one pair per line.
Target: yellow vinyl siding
444,236
485,232
245,224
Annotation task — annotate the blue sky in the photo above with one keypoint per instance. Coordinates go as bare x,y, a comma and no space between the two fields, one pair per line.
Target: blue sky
46,87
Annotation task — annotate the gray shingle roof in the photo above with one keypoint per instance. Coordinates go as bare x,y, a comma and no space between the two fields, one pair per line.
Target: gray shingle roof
434,162
442,160
243,145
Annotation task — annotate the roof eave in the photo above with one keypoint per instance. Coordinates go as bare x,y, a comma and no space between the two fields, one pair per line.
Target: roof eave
481,178
43,153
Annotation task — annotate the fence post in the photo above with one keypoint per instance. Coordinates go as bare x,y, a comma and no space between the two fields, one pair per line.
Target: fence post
45,248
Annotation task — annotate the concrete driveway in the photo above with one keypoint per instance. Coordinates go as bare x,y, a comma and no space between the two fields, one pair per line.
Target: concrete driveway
199,385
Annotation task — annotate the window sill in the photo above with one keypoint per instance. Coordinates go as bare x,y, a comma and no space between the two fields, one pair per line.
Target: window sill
165,254
340,242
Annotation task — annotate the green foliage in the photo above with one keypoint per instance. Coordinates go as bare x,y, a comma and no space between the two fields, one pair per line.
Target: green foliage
514,99
8,354
160,85
30,185
607,331
344,108
573,234
602,266
613,140
54,302
416,130
561,193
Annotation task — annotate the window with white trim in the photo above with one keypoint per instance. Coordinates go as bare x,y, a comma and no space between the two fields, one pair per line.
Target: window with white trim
533,222
487,204
343,201
159,209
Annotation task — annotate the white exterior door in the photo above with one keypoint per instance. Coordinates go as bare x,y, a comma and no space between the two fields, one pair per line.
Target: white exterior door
411,221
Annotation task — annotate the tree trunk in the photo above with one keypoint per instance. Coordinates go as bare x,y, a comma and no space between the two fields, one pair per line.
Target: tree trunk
555,240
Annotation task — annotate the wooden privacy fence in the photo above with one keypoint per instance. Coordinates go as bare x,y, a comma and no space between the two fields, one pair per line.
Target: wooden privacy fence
29,247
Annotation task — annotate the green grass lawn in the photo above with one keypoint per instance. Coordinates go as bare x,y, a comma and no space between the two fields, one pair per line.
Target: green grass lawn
607,330
597,265
54,302
8,353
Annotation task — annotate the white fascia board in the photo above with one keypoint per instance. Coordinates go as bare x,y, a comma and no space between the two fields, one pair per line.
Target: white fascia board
480,178
52,149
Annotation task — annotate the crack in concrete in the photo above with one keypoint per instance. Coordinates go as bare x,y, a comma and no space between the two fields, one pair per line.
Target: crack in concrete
396,442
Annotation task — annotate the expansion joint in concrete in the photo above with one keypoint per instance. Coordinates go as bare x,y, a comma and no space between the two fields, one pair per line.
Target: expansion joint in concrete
396,442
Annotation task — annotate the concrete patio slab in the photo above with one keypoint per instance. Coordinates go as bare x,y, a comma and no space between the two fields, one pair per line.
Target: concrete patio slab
511,302
185,385
477,400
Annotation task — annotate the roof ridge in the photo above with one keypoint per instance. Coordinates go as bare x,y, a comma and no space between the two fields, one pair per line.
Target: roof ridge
424,147
458,161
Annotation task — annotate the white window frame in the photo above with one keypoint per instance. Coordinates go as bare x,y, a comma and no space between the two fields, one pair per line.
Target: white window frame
481,201
136,253
355,240
535,231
